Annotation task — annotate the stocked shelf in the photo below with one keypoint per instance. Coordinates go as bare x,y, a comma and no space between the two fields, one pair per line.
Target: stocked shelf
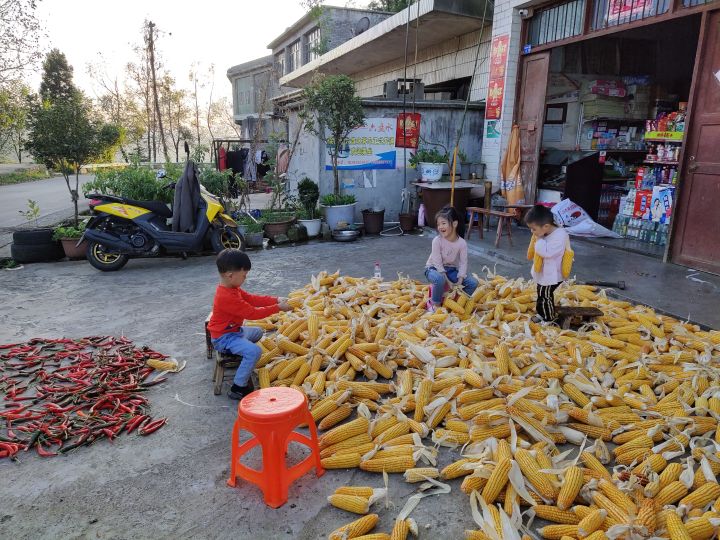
665,136
650,162
614,119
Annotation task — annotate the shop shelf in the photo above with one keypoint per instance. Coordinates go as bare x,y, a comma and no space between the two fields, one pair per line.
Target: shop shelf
648,162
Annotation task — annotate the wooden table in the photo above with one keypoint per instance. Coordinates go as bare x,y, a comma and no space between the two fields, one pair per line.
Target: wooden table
504,221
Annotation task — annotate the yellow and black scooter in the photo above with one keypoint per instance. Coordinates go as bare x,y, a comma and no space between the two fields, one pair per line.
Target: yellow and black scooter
123,228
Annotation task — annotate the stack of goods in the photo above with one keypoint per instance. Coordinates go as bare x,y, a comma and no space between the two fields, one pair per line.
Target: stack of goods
400,390
638,103
603,98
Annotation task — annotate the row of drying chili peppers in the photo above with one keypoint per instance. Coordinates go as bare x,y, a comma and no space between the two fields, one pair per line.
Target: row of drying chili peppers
62,394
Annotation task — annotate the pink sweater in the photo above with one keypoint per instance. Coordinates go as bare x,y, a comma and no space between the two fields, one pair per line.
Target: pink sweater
551,249
445,253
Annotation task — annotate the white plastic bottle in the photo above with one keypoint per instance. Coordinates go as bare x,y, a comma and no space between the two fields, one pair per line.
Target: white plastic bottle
378,273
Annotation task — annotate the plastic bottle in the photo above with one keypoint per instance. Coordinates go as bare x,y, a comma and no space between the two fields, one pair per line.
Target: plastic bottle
378,273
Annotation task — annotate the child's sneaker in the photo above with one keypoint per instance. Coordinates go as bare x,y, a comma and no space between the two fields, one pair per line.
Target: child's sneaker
239,392
537,319
430,307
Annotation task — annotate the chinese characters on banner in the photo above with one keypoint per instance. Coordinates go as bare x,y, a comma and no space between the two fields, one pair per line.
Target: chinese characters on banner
371,146
622,11
407,134
496,85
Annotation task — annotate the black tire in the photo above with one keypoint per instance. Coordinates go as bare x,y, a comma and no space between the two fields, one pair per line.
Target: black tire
48,252
33,237
227,237
105,260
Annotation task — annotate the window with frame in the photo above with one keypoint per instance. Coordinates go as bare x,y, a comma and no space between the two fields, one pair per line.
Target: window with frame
556,22
280,64
294,58
313,45
607,13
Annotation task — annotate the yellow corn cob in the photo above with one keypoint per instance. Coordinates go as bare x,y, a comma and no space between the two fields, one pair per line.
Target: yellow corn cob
341,461
556,515
675,527
340,433
456,469
350,503
613,510
597,535
671,493
611,491
647,514
473,483
700,528
373,536
530,468
670,474
264,377
313,327
702,496
575,394
498,479
655,462
570,488
531,248
420,474
358,491
422,398
401,529
356,528
556,532
502,357
390,465
290,346
338,415
476,535
392,432
591,522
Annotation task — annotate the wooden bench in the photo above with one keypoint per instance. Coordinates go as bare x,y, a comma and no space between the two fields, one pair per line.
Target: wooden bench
223,361
504,222
575,316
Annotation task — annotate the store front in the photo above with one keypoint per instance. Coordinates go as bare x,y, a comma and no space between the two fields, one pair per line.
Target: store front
628,125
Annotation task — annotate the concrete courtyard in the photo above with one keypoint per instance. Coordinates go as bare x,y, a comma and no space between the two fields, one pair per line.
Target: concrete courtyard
173,484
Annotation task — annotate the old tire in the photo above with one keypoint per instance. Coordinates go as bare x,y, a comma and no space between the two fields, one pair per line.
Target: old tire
33,237
227,237
104,260
47,252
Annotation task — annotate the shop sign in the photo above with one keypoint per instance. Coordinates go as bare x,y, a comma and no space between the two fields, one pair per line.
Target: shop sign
407,133
371,146
665,135
496,84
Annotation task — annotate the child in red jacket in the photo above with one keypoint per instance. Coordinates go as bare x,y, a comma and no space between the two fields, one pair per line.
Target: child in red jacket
231,307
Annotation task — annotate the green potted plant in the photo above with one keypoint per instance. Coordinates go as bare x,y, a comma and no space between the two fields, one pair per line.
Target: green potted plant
332,111
309,193
429,163
339,210
280,213
463,166
68,236
34,244
254,233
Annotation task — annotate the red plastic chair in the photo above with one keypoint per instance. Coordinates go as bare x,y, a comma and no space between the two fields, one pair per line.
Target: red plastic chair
271,416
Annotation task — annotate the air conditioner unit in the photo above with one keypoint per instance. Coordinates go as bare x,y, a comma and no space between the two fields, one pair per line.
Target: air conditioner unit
412,88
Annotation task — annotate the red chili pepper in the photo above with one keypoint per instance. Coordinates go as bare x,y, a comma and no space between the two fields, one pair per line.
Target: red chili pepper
44,453
135,422
147,429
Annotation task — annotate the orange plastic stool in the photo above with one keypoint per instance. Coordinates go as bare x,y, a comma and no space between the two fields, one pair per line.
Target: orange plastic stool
271,416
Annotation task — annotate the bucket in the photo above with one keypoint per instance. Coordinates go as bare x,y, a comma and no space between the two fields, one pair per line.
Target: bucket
373,220
407,222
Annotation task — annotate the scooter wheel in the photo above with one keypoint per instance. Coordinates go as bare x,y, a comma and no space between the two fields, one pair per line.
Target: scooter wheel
227,237
102,259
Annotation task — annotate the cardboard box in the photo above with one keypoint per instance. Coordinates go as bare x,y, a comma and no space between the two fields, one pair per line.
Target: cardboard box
661,204
643,199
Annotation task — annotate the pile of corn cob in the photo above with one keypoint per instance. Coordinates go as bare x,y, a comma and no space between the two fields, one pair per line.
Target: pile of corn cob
390,385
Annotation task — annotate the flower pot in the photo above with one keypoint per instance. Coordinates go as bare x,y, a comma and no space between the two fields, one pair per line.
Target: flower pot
340,216
72,250
373,220
407,222
254,239
431,172
242,229
278,227
465,167
312,226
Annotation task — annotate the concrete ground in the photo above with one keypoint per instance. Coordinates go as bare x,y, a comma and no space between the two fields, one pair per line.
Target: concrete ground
173,483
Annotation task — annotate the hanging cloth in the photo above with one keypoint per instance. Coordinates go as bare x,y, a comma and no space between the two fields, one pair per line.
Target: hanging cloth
510,179
222,159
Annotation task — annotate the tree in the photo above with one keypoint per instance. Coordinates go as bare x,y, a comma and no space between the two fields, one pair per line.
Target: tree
150,42
19,32
14,106
66,135
57,78
176,111
331,111
389,5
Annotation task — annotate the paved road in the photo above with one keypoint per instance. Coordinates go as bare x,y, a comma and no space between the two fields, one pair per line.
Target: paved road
51,195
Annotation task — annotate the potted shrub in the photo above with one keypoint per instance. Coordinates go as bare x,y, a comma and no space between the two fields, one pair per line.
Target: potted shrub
69,236
339,210
34,244
429,163
463,166
254,234
277,222
309,193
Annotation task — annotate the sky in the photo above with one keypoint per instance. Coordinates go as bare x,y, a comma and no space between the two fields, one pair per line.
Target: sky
220,32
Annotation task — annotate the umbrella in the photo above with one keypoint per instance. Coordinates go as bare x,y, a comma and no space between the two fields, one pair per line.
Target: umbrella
511,180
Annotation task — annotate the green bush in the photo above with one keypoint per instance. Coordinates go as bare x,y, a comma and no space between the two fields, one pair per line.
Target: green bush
423,155
69,231
135,182
216,182
337,200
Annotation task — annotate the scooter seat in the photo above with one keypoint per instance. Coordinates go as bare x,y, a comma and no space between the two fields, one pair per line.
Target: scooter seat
160,208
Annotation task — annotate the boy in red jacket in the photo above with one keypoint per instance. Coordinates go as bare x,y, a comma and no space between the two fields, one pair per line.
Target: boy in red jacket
231,307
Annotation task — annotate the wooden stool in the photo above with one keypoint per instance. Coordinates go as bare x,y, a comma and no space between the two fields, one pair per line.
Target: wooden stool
575,316
271,415
504,221
223,360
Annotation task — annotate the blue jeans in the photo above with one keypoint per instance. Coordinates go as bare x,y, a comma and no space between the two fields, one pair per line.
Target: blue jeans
437,279
242,343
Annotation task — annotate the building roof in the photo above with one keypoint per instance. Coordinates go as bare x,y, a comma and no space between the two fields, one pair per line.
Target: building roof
252,65
439,20
305,19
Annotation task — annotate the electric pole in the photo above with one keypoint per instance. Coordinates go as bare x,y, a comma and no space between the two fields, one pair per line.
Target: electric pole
151,53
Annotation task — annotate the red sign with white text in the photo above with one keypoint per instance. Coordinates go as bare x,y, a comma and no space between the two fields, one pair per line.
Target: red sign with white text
407,132
496,84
